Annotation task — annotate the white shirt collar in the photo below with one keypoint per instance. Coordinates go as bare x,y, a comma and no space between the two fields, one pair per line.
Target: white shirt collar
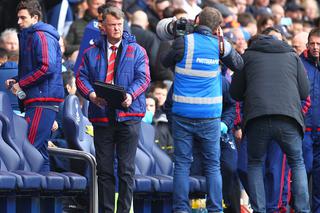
117,45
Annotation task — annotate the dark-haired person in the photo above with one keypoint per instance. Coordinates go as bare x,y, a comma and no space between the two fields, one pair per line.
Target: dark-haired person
271,85
311,141
39,74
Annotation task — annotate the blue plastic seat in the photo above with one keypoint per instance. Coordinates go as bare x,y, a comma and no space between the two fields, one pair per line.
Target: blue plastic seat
28,159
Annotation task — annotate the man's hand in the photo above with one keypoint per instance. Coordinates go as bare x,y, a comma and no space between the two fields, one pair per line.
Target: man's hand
8,82
128,101
100,102
55,126
238,135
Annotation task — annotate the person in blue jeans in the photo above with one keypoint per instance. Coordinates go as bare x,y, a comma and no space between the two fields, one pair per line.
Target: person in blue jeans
197,105
271,85
229,155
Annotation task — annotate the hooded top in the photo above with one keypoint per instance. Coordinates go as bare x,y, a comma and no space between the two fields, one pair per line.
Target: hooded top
40,60
272,82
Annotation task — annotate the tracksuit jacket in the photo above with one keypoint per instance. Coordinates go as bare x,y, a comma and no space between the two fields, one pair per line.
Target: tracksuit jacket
39,67
131,72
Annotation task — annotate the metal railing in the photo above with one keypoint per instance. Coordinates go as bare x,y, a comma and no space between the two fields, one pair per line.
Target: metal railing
81,155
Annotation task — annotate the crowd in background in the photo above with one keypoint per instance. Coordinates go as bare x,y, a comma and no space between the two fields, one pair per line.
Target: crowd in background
242,19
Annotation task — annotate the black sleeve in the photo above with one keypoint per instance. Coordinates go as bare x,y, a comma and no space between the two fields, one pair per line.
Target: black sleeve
238,85
233,61
229,105
175,54
303,82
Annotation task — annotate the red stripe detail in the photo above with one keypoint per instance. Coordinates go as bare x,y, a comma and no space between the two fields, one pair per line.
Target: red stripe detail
309,129
144,86
35,125
237,120
307,105
283,171
128,114
99,120
32,100
79,82
45,63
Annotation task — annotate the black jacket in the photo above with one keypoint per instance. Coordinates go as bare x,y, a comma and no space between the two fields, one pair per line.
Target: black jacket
272,82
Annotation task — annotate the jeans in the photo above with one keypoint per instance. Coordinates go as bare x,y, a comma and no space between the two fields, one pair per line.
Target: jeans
207,133
260,131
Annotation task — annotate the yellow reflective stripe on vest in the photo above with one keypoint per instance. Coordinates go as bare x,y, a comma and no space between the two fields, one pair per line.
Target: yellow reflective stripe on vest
196,73
197,100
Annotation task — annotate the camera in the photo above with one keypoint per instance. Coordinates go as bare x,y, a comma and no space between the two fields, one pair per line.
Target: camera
171,28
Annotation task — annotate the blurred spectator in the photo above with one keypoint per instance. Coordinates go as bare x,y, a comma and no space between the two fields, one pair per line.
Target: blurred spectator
248,23
61,17
264,22
241,5
177,4
191,7
9,40
163,137
278,13
154,11
8,69
311,9
240,44
79,9
75,33
299,42
297,26
144,37
294,11
160,91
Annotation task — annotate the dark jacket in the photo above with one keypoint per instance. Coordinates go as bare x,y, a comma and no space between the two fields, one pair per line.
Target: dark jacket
312,118
272,82
149,41
75,33
131,72
40,66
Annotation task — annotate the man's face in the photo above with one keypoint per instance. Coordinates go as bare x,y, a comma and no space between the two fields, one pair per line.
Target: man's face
113,27
93,7
151,105
25,20
161,95
11,43
314,46
117,3
100,23
298,45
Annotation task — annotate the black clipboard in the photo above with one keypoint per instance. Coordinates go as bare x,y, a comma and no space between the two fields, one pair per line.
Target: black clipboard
113,94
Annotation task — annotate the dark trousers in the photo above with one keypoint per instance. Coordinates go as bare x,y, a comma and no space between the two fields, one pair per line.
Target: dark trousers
122,137
260,132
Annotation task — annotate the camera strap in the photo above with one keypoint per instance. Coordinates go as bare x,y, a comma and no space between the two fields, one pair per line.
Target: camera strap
221,46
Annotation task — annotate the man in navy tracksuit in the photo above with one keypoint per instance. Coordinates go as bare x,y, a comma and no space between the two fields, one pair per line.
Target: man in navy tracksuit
39,74
118,55
311,142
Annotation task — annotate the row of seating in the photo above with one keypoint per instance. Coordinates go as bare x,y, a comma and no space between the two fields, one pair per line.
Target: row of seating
23,187
154,168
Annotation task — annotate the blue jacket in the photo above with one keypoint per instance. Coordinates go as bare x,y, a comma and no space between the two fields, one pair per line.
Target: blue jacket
131,72
197,87
40,59
312,116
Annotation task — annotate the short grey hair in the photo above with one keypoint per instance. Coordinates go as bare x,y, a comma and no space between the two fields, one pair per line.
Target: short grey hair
114,11
7,33
210,17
